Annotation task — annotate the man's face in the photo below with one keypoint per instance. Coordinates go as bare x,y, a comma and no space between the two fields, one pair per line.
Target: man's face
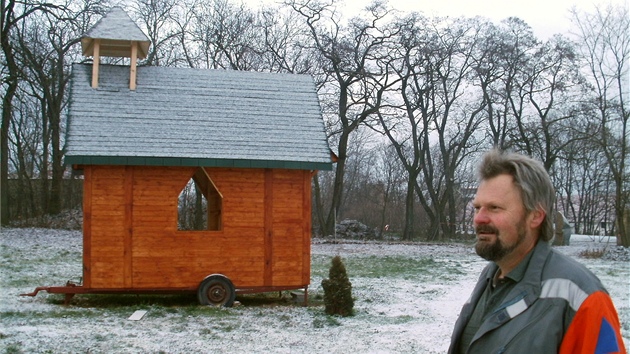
500,221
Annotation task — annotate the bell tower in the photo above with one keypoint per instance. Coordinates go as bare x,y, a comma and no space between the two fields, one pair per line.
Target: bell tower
115,35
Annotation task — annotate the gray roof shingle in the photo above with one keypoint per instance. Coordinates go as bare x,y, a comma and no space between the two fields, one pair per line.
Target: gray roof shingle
116,24
195,117
116,30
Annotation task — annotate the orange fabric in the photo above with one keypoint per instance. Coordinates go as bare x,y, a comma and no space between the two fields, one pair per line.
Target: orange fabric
584,332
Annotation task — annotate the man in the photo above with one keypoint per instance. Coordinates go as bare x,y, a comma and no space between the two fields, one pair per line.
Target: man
530,298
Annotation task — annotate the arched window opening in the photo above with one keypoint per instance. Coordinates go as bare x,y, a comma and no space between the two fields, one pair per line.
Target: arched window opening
199,204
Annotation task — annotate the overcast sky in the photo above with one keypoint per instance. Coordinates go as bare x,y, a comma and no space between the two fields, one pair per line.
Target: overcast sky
546,17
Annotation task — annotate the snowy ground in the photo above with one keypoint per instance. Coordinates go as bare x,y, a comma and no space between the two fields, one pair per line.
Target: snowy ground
407,299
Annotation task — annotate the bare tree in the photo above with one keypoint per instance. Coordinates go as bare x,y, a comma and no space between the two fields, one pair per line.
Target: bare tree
24,156
405,119
345,54
392,178
287,42
458,118
46,47
582,181
218,34
37,38
13,13
359,174
159,18
438,115
538,90
553,89
504,50
9,20
605,47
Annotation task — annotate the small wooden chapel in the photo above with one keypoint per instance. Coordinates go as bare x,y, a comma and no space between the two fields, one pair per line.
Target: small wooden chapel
248,143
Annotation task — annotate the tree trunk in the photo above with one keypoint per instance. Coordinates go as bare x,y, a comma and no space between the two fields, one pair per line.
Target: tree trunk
409,230
54,206
333,214
199,213
4,149
623,221
7,108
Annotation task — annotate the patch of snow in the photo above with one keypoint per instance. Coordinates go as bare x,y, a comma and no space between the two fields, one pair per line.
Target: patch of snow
409,314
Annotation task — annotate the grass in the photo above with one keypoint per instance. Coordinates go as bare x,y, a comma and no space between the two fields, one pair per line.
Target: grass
26,267
321,320
128,301
178,309
400,298
389,267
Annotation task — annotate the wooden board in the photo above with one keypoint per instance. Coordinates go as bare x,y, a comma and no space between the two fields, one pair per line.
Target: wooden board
131,239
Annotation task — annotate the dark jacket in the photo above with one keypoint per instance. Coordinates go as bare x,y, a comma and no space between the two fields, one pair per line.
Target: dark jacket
558,307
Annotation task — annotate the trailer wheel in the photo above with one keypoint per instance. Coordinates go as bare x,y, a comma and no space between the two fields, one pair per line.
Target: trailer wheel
216,290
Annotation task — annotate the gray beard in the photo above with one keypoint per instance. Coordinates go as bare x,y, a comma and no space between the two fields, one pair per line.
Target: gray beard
496,251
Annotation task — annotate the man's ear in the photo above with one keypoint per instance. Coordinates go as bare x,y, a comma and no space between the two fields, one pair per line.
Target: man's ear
536,217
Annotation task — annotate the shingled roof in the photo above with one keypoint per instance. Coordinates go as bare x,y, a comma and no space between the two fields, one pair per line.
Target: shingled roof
195,117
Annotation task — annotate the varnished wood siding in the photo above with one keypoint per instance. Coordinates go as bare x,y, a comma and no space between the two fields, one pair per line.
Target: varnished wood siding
134,241
106,258
288,228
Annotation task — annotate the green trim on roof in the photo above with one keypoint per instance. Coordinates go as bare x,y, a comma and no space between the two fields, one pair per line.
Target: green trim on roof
202,162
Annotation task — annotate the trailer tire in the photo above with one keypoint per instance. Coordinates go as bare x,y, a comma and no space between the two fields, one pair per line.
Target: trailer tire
216,290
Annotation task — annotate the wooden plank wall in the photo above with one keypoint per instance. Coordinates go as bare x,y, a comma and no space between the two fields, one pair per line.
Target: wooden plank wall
104,230
131,238
289,227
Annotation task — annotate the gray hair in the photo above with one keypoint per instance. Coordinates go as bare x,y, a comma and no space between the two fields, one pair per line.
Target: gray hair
530,177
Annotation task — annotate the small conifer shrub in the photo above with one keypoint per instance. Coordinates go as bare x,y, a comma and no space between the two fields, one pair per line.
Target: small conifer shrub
338,290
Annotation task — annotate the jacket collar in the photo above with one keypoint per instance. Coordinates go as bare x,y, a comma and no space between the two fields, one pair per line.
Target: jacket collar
523,294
